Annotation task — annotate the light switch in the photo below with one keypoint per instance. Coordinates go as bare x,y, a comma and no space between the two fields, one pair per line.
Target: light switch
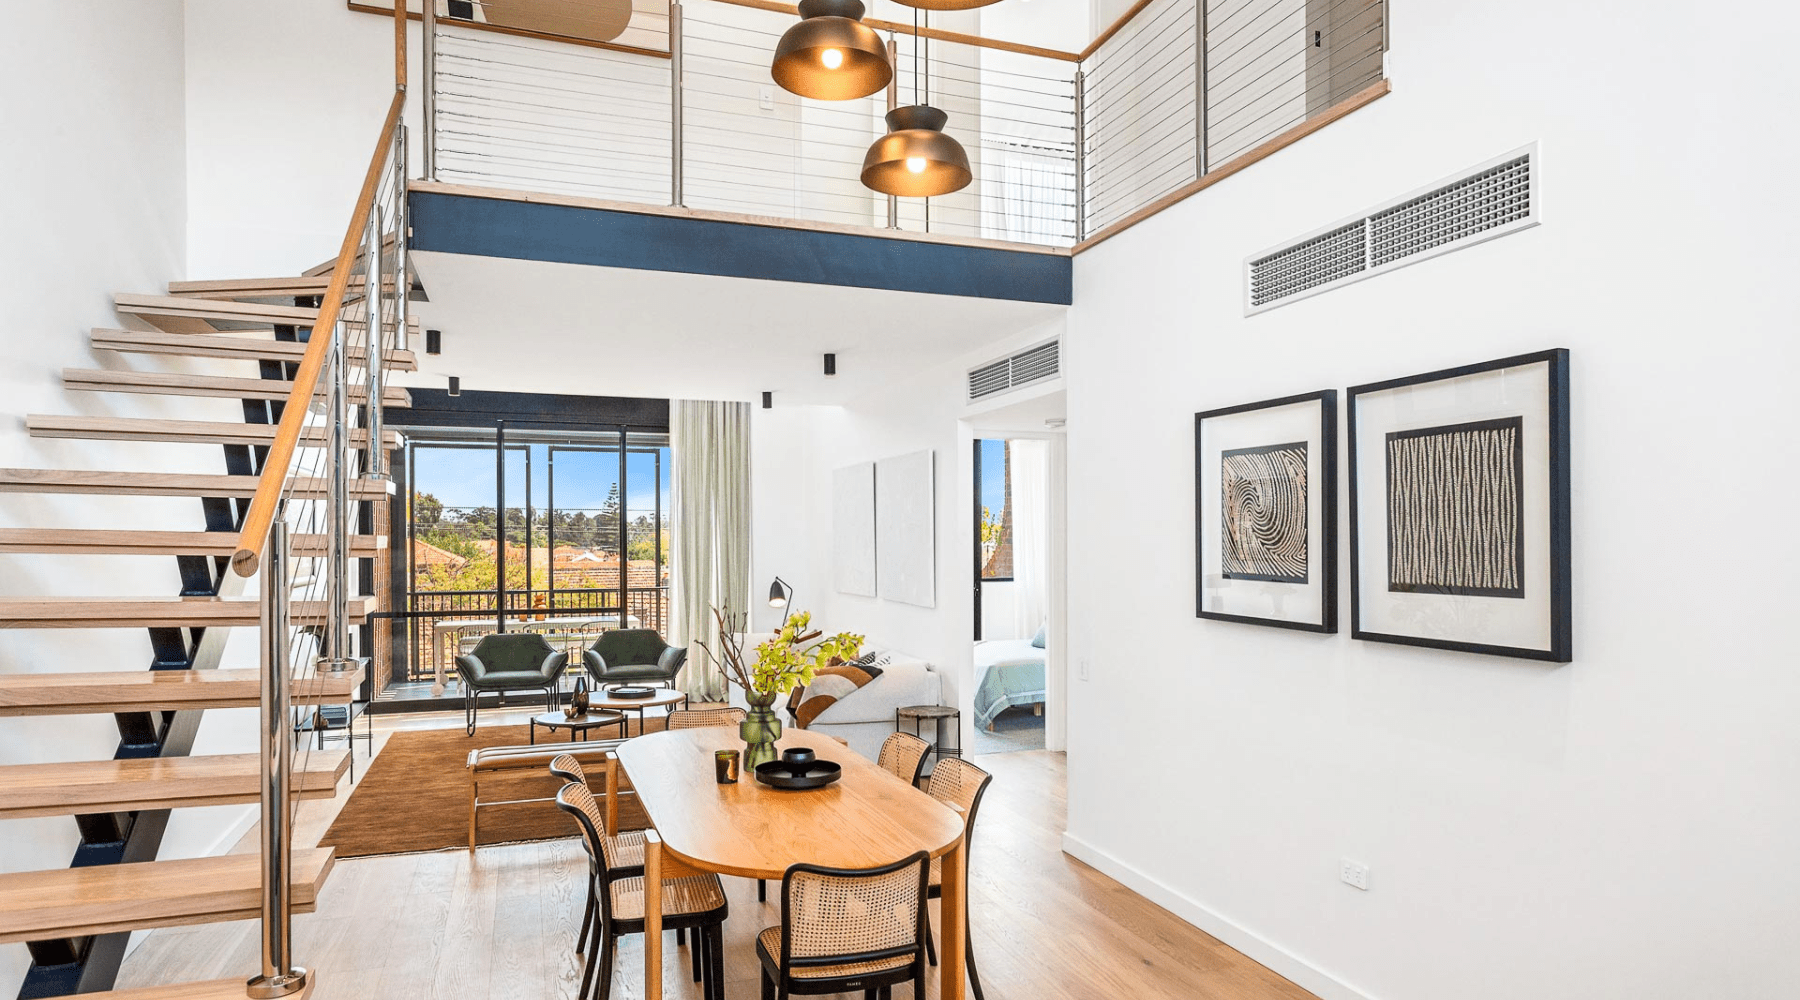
767,96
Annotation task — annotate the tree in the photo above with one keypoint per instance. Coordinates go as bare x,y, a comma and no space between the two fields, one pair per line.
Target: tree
427,509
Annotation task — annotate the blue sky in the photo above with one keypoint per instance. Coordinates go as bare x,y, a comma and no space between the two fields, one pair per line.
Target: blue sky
464,477
993,475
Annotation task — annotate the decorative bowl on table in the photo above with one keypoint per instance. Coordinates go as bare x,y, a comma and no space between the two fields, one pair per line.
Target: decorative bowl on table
798,768
631,692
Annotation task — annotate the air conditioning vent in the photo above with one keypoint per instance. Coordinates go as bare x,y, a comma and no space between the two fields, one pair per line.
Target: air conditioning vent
1493,199
1033,364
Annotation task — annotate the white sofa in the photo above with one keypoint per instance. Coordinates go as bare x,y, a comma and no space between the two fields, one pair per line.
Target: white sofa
864,718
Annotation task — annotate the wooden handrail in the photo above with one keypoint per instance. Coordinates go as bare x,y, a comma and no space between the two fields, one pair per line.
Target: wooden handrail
261,514
937,33
1113,28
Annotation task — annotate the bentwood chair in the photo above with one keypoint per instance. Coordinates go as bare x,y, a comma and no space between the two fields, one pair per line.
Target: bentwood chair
903,756
627,848
695,903
705,718
847,930
960,785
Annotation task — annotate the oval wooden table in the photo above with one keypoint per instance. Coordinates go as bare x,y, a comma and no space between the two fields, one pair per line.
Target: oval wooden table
865,819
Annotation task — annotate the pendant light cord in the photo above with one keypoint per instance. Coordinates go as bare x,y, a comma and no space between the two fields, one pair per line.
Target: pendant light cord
916,55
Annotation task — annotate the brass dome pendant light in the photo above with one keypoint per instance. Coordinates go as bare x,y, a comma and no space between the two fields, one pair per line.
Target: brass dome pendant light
945,4
831,55
916,159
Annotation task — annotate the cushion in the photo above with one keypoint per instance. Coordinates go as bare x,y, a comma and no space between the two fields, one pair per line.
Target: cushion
828,685
496,680
1041,637
634,672
873,663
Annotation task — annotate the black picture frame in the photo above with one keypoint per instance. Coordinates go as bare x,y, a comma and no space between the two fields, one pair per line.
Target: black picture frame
1556,472
1323,560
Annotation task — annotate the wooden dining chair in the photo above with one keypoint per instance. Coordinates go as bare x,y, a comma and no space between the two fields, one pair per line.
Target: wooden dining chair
626,848
960,785
695,903
903,756
705,718
844,930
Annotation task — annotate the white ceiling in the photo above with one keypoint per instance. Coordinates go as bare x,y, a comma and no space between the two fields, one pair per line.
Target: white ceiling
531,326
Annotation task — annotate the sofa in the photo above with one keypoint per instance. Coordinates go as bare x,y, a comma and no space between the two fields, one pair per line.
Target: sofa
865,717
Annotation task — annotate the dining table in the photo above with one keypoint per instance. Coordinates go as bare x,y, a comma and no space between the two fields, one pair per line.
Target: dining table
866,819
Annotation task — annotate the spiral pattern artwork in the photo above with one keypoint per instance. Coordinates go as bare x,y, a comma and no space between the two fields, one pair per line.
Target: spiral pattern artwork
1263,516
1455,498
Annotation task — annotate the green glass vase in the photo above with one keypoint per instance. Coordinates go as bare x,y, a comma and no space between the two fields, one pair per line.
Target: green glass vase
759,730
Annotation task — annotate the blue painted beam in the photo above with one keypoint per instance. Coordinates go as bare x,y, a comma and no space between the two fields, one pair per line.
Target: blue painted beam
564,234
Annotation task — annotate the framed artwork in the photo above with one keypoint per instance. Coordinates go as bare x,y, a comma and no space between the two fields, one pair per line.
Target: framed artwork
1459,508
1265,512
906,529
853,529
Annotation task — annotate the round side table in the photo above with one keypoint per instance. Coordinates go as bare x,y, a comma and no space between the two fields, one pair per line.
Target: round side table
942,713
577,726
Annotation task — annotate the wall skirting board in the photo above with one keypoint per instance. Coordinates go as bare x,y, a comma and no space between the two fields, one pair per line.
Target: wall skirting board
1294,967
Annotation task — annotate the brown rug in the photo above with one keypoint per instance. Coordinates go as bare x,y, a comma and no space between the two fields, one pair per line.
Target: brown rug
415,797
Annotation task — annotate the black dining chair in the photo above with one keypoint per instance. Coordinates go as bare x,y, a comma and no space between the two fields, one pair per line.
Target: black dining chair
846,930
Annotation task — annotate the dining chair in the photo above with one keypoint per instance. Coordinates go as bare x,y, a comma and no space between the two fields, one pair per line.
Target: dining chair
705,718
960,785
845,929
903,756
695,903
626,848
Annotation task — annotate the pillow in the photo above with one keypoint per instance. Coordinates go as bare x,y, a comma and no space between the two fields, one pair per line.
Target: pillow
873,663
828,685
1041,637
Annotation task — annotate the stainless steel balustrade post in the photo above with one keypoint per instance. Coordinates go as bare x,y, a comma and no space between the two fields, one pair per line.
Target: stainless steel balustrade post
428,105
337,534
1200,122
402,252
675,102
893,101
376,467
280,977
1080,156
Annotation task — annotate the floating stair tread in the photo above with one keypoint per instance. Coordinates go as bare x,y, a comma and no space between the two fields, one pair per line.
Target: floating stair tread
117,542
106,691
177,314
179,431
222,345
172,484
154,612
215,386
98,786
218,989
244,288
103,899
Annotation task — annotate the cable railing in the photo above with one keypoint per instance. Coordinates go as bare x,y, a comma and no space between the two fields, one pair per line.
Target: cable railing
1065,148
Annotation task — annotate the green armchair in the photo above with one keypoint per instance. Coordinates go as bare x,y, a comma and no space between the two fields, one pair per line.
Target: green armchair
633,656
510,661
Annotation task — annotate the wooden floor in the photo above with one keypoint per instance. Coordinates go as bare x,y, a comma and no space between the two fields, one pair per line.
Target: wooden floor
502,924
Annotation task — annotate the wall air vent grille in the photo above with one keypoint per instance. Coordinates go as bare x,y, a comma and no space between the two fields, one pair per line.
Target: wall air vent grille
1034,364
1493,199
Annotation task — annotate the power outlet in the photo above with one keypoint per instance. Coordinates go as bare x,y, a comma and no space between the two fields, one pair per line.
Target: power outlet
1081,669
766,97
1353,873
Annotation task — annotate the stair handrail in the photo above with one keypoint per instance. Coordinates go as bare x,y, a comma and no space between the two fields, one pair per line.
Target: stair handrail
254,534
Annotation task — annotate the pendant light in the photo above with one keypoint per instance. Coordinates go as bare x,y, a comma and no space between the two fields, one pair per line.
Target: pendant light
831,55
916,159
945,4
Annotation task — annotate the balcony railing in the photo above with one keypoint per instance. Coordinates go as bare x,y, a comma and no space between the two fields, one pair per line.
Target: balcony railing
1065,147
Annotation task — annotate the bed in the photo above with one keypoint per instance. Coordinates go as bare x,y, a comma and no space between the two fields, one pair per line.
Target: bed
1008,672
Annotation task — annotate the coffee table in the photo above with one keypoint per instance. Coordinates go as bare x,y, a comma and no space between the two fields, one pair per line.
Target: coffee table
579,725
662,697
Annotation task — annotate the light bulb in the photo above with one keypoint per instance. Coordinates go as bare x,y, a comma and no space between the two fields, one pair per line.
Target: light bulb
832,58
915,164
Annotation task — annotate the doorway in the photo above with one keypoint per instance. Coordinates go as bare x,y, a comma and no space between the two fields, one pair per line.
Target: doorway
1013,534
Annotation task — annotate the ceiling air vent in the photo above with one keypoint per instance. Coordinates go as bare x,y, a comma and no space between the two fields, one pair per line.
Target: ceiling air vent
1493,199
1033,364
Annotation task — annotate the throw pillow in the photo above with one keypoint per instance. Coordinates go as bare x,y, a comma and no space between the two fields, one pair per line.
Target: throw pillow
829,685
873,663
1041,637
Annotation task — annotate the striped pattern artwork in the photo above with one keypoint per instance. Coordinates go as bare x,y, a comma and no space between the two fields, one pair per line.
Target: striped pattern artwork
1262,513
1455,495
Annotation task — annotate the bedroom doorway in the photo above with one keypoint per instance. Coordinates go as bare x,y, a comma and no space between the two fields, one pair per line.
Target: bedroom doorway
1016,510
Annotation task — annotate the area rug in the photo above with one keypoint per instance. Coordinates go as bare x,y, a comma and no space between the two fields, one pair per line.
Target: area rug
1014,729
415,797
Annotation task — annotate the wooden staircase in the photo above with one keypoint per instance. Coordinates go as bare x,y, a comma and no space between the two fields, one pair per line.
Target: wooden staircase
76,920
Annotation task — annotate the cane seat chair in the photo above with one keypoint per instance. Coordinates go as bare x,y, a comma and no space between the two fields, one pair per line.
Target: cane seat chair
847,930
627,847
695,903
903,756
705,718
960,785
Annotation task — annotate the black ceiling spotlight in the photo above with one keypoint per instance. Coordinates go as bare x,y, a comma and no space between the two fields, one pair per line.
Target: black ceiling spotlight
831,364
434,341
768,401
455,386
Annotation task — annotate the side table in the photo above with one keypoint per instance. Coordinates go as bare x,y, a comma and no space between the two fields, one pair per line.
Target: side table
941,713
578,726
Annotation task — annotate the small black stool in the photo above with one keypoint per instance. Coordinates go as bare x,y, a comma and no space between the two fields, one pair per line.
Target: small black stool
942,713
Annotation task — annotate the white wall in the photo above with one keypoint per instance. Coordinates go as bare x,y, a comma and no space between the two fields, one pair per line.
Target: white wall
1622,826
93,194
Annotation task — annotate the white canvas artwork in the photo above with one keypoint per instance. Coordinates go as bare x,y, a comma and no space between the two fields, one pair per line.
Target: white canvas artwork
853,529
906,529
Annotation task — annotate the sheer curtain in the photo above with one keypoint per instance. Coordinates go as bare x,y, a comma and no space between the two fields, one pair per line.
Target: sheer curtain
1030,534
709,447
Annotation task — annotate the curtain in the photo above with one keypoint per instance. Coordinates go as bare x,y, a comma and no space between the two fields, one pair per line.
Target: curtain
709,446
1030,470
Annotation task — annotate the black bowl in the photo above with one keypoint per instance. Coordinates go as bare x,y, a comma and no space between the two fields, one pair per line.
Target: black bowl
630,692
799,755
814,774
